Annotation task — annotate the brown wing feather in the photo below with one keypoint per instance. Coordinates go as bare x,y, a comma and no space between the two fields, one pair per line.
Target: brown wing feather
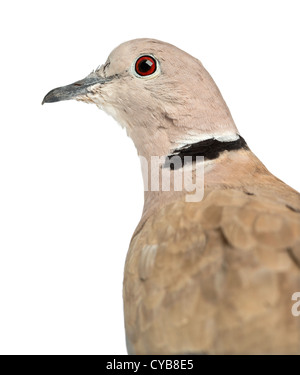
214,277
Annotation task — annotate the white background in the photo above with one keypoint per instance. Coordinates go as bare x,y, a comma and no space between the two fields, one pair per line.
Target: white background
70,186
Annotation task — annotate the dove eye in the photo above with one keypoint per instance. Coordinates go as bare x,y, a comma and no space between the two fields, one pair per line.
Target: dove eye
145,66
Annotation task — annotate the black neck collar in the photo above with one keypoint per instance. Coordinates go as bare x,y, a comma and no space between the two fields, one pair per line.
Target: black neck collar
210,149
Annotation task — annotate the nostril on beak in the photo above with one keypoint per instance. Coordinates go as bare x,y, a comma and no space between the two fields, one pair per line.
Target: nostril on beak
77,84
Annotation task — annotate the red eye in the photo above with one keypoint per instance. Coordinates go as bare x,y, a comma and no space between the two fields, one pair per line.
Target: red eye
145,65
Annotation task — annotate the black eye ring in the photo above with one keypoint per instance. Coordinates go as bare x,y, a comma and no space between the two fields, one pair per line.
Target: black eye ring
145,66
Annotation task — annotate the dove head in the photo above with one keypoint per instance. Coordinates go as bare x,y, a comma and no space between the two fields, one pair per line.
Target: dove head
163,96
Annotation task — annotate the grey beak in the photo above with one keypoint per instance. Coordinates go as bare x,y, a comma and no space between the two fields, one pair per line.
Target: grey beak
75,89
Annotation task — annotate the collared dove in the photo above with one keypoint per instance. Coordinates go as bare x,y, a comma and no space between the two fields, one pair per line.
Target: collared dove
214,276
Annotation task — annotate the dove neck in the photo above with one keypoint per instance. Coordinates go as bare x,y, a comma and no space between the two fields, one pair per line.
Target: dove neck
189,168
